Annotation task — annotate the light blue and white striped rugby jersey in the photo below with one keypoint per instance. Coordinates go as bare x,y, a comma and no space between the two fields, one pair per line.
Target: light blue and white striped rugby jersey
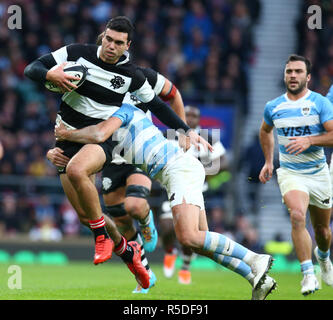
330,94
304,117
141,143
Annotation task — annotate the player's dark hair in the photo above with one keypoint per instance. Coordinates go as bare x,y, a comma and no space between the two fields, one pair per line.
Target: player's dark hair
296,57
99,39
121,24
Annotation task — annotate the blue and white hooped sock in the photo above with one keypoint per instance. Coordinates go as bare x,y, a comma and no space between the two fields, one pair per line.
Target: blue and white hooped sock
323,255
307,267
235,265
217,243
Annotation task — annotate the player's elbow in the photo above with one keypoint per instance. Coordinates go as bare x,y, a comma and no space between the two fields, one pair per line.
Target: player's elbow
100,136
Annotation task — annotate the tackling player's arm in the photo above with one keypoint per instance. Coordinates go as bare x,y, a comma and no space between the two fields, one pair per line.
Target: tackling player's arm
171,94
92,134
102,131
266,137
141,88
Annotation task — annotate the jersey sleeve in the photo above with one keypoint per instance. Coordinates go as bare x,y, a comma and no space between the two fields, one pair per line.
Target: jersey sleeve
159,84
71,52
155,79
125,114
268,115
38,69
151,75
326,112
141,88
60,55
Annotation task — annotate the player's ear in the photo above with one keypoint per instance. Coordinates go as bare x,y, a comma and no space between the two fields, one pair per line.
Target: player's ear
129,44
308,77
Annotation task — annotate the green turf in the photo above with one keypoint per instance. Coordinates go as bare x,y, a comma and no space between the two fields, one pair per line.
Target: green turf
112,281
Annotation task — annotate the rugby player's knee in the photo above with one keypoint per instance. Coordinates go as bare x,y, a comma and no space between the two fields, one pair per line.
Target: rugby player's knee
187,239
74,173
324,232
125,225
137,208
297,218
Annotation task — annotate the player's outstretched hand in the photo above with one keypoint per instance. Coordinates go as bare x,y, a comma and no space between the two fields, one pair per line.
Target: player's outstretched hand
61,79
57,157
266,173
199,142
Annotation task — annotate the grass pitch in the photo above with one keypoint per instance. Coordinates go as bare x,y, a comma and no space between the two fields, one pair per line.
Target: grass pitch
113,281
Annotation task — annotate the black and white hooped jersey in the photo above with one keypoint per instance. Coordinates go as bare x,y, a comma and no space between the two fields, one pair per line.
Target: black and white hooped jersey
156,81
104,89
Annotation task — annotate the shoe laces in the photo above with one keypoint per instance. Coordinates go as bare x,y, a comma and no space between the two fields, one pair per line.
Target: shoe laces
99,245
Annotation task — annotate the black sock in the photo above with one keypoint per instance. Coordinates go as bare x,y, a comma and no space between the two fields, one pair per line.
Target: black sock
124,251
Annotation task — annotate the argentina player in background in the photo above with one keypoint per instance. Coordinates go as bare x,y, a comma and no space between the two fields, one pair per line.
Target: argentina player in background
304,123
330,97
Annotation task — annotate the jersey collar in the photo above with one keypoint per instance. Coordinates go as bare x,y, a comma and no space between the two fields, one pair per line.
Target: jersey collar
122,60
300,99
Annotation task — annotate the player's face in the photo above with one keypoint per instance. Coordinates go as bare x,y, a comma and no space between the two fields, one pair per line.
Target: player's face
114,44
295,77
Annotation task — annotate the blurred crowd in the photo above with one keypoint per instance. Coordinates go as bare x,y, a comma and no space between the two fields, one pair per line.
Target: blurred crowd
204,47
317,44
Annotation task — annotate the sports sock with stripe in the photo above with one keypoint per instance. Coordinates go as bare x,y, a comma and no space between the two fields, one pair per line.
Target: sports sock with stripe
217,243
235,265
307,267
124,251
98,227
323,255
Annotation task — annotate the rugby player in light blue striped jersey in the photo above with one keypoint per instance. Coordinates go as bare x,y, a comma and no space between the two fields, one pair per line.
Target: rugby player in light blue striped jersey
304,123
143,145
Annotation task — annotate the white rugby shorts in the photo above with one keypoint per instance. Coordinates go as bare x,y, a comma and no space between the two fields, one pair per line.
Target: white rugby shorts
331,171
318,185
183,178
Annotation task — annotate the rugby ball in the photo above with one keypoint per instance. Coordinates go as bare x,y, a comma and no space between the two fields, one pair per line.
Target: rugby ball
71,68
